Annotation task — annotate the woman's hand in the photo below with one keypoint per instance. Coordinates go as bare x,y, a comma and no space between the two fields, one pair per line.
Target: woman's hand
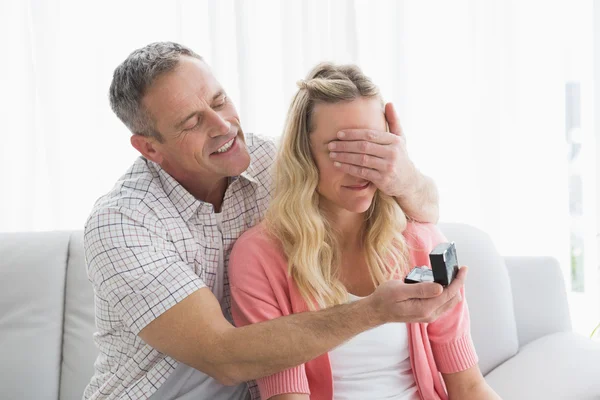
469,384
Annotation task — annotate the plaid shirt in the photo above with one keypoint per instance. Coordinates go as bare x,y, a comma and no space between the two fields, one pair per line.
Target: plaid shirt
149,243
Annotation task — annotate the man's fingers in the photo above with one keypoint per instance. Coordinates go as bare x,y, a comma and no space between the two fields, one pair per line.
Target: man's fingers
447,306
458,282
361,160
393,120
432,308
360,172
361,147
367,135
425,290
462,274
451,296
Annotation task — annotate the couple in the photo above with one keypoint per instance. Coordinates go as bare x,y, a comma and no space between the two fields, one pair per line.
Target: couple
315,288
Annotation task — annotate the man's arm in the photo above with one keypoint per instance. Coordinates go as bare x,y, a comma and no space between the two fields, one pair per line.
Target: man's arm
469,385
159,297
382,158
420,200
195,332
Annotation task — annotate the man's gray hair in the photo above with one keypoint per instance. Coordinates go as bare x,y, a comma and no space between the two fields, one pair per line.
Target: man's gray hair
135,75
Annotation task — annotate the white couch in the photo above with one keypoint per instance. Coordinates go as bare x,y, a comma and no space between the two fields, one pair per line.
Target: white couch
520,320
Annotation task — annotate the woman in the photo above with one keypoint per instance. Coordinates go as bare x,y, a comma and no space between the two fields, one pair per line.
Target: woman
330,238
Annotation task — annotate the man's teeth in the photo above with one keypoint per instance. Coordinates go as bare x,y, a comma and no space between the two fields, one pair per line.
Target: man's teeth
225,147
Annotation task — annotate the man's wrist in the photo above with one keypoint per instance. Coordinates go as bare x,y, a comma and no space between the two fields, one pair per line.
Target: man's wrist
410,186
369,312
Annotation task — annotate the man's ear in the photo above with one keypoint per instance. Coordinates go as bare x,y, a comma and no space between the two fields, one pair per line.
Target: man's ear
147,147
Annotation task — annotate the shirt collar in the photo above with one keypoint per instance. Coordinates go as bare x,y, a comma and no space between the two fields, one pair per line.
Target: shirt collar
185,203
247,175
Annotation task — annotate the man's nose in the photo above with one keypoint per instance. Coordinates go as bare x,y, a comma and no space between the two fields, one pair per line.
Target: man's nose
218,125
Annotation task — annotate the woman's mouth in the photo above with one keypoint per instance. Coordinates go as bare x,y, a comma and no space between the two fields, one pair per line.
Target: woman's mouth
358,187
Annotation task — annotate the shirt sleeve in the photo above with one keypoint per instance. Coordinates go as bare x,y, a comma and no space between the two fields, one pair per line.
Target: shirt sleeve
257,282
450,334
134,268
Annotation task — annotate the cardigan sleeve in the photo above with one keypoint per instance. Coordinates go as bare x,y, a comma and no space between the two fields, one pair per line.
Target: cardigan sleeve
258,293
450,334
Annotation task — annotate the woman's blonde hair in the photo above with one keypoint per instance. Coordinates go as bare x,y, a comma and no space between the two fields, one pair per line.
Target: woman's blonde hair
294,217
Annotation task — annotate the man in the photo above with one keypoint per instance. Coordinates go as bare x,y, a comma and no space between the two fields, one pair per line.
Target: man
157,245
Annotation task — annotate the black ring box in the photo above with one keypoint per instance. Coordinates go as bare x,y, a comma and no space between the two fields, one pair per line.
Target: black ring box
444,266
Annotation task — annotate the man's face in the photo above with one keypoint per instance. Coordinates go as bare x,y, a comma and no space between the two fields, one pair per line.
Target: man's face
202,136
339,190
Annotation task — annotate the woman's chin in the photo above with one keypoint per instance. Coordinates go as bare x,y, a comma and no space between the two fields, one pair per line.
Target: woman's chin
359,208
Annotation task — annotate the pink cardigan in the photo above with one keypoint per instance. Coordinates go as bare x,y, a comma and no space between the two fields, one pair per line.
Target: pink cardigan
262,290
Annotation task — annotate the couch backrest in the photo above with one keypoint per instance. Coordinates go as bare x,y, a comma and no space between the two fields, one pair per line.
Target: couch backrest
43,282
79,350
488,293
32,283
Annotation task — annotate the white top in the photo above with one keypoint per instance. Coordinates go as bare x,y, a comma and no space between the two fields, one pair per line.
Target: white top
374,365
187,383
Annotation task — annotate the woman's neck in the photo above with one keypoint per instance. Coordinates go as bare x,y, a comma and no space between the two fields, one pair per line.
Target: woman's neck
349,228
354,272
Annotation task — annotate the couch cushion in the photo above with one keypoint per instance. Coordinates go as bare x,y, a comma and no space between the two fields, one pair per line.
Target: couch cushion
32,282
556,367
79,350
545,312
488,294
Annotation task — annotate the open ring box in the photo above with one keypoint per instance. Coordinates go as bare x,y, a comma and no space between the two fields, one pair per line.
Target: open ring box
444,266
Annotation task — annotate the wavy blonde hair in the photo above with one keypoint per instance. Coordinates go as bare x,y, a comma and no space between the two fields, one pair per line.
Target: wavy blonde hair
294,217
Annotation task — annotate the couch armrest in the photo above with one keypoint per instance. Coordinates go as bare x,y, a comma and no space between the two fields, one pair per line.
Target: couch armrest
539,297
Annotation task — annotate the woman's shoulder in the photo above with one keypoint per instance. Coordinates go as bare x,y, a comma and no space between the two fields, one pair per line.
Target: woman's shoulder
422,236
257,236
257,248
415,229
